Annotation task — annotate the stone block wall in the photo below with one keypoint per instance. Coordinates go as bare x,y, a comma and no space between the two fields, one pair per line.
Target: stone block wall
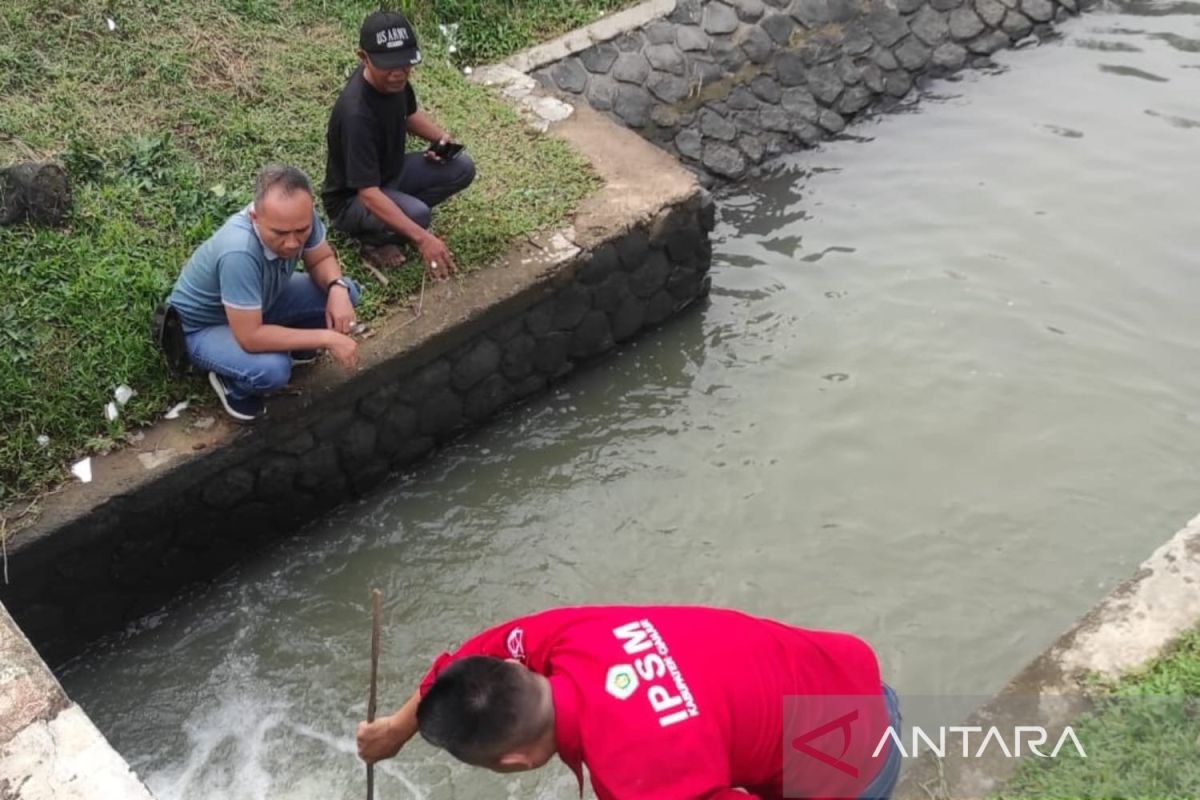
133,553
725,84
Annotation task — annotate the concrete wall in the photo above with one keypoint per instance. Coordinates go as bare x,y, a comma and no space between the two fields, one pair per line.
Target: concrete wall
1125,631
49,749
106,553
726,84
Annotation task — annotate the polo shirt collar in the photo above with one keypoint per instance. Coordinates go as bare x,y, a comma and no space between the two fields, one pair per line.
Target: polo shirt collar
270,254
566,726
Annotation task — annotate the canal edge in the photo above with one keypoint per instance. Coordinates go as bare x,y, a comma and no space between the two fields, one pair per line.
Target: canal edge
1137,622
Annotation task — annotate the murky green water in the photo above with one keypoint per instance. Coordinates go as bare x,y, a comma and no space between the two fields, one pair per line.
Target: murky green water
945,396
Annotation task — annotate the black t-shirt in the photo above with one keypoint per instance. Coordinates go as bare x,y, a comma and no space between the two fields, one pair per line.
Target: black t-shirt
365,140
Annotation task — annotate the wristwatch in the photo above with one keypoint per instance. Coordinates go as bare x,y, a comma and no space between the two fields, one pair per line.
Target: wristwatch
345,284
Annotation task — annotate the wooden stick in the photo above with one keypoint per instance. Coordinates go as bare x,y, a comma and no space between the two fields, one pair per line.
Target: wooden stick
366,262
376,620
379,276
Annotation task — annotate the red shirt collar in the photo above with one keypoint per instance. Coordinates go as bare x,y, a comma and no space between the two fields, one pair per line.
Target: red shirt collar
566,726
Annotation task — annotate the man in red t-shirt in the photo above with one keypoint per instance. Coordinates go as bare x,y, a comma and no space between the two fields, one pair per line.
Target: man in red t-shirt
660,703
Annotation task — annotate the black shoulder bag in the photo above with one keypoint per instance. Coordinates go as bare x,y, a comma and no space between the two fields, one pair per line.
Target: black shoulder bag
168,333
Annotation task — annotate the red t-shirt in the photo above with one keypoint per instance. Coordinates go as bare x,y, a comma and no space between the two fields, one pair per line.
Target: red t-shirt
683,703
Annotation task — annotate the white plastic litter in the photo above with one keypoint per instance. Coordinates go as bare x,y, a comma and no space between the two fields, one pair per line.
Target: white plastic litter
111,412
83,470
467,70
112,26
176,410
43,440
124,394
450,34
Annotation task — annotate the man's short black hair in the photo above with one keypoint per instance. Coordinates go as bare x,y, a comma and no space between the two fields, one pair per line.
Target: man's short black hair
480,708
287,178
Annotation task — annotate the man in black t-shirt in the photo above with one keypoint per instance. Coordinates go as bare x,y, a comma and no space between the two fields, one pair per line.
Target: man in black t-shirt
374,191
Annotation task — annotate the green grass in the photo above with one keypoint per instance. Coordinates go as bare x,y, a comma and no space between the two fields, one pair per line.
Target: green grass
1143,743
162,124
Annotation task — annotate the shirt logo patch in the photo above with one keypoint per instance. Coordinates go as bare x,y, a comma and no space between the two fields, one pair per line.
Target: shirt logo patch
622,681
653,662
516,644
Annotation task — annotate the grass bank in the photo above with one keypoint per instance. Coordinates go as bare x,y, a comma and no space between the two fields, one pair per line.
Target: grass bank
1143,743
162,111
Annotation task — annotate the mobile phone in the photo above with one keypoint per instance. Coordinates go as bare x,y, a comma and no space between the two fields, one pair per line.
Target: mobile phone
446,151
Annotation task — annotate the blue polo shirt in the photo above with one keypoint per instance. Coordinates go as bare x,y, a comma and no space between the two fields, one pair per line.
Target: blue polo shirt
233,268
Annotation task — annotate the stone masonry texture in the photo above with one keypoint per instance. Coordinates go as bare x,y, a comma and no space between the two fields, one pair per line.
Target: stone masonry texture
709,82
130,555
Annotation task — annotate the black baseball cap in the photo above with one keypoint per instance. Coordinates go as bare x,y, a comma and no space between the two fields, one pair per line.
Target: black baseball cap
388,40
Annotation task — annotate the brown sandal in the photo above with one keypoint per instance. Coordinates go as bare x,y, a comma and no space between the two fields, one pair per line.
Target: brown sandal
384,257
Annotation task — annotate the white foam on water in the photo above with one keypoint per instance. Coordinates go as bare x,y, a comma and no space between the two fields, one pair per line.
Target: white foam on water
347,747
227,748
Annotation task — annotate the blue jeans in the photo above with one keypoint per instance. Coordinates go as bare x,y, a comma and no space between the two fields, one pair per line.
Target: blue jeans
300,305
884,784
422,185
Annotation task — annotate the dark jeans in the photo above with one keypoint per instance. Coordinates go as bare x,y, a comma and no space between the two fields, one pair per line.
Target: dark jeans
422,185
884,784
301,305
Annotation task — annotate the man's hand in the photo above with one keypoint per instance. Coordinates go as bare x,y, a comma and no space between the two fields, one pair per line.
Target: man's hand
384,737
377,740
431,153
343,349
439,264
339,311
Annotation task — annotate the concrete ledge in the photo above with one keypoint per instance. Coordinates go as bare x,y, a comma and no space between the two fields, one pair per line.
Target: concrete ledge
1131,627
66,758
581,39
1139,618
28,692
49,749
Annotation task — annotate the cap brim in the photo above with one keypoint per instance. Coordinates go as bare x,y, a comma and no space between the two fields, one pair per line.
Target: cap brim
405,57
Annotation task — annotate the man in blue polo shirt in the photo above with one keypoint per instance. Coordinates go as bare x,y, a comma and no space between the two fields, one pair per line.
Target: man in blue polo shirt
247,314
